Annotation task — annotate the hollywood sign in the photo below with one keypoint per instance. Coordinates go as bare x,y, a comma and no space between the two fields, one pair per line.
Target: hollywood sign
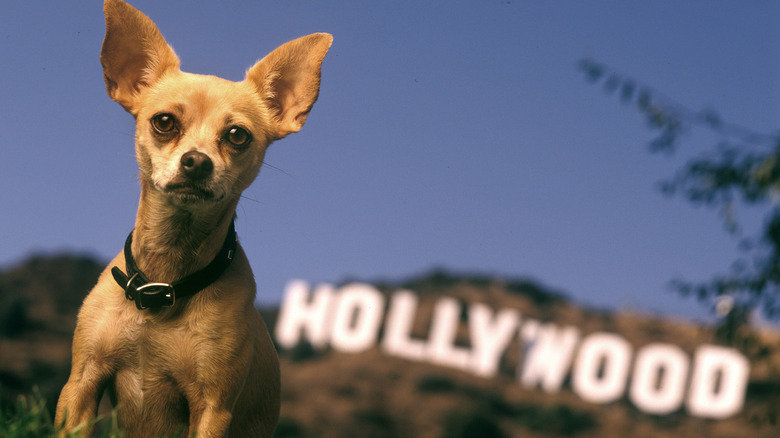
658,378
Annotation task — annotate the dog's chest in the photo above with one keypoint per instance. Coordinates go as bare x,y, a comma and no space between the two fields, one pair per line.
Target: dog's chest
162,358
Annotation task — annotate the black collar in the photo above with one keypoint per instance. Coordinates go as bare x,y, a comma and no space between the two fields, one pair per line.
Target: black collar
151,295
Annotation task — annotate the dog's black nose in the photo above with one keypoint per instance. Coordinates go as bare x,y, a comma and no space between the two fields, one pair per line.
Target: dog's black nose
196,165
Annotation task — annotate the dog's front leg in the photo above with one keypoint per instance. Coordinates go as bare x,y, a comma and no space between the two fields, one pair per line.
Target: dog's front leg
221,376
211,407
78,402
211,422
96,358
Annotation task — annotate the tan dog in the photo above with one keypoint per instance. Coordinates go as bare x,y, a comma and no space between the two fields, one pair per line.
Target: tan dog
170,329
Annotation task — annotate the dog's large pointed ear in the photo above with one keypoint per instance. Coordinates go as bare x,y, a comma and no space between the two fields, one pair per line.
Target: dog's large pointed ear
134,53
288,79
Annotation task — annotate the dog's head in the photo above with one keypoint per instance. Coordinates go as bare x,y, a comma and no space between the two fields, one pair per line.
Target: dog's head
202,139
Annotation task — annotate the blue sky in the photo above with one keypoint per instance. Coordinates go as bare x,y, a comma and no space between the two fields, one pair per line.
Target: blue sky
457,134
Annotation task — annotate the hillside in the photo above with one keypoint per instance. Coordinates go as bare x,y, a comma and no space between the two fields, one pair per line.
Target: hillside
328,392
39,300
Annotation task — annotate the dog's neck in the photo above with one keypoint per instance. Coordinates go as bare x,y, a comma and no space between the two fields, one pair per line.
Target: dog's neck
170,242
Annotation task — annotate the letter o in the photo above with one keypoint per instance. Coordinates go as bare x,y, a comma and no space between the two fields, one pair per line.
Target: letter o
601,368
357,316
658,383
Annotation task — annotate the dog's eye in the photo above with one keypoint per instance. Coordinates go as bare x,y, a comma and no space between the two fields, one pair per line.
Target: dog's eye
164,123
238,136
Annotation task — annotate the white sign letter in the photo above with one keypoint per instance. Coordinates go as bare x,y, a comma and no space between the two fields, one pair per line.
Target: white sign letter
658,382
718,384
548,355
398,328
444,330
298,315
601,369
490,337
357,318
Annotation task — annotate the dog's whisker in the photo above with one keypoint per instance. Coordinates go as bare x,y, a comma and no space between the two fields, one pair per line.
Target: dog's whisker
251,199
278,169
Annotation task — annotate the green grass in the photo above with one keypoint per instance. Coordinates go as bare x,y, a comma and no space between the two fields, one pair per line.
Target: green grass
30,418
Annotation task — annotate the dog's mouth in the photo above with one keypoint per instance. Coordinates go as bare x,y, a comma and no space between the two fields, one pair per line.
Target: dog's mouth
189,192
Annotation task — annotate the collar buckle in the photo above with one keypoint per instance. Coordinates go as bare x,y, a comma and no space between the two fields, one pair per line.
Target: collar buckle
150,295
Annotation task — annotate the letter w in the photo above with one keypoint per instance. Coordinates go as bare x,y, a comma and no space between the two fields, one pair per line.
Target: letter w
548,355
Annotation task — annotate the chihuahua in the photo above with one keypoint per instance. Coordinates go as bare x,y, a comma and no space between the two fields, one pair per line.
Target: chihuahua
170,331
